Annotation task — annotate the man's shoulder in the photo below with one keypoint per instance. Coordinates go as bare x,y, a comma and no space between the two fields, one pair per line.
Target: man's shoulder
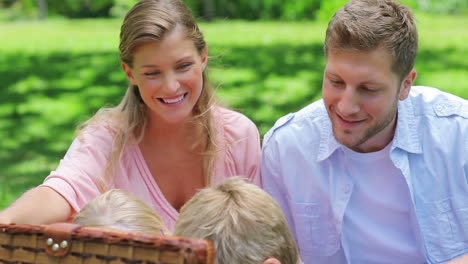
312,114
432,119
429,101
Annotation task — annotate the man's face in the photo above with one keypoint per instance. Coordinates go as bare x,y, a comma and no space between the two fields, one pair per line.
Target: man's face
361,95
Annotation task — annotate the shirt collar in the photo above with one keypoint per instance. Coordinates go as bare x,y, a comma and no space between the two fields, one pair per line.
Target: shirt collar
328,143
406,133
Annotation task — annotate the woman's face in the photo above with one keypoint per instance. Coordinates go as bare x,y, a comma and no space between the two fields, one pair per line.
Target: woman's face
169,75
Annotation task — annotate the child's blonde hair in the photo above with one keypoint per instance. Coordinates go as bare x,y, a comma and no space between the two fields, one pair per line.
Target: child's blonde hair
121,210
244,222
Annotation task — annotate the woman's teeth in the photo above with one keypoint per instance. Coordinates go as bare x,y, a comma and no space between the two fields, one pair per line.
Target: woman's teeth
172,101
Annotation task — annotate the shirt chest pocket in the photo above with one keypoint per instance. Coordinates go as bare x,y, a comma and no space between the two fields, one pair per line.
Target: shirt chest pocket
315,231
445,228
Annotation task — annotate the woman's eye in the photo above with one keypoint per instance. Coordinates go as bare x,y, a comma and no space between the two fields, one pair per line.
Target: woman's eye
153,73
336,82
184,66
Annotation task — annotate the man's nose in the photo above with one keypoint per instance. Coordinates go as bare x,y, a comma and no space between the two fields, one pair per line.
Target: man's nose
349,103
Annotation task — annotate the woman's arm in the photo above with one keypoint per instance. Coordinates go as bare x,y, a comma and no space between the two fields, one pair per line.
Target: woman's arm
460,260
41,205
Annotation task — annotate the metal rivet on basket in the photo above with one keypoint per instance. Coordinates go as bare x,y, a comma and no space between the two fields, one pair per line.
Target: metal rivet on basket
50,241
55,247
64,244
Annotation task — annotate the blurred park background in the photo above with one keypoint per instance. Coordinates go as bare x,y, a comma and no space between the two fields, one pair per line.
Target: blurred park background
59,64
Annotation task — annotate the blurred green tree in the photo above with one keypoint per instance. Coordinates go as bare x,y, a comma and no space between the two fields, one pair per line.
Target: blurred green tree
328,8
121,7
209,9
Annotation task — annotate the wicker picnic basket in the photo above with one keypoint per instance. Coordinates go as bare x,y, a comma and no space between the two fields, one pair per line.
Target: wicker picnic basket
73,244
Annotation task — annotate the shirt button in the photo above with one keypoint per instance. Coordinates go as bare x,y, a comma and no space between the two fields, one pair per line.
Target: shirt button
346,188
440,108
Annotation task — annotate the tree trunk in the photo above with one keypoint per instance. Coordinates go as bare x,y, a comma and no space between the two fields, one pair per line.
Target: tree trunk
209,9
42,6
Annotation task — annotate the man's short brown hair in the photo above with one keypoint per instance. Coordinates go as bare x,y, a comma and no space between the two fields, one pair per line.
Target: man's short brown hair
366,25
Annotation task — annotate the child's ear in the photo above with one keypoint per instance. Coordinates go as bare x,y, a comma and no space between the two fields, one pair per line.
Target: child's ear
271,261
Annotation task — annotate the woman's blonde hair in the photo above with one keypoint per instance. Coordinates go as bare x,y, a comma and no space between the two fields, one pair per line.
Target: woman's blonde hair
121,210
244,222
151,20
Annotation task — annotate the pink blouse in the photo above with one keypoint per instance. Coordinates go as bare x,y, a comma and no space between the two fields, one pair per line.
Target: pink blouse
75,178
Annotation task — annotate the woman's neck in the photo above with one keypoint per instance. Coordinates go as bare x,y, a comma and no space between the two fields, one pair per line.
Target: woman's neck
171,135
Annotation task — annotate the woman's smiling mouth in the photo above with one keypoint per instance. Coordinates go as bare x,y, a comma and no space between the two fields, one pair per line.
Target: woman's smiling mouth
173,100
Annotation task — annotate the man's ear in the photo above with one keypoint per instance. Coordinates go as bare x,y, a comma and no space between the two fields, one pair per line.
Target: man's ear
406,84
271,261
128,72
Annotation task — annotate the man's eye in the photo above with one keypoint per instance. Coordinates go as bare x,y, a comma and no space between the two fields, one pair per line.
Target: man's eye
369,90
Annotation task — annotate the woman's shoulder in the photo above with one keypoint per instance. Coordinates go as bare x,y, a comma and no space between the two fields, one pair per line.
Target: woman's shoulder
232,121
238,145
97,134
105,123
234,124
231,117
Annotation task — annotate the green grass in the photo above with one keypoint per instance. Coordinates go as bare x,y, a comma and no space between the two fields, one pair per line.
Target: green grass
56,74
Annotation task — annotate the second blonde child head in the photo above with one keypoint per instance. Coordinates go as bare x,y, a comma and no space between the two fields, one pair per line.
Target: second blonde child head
245,223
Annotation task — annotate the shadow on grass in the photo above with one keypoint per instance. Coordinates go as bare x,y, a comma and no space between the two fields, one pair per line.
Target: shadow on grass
44,97
266,83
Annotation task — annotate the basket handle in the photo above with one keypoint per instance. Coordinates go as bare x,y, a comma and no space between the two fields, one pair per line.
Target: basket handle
57,236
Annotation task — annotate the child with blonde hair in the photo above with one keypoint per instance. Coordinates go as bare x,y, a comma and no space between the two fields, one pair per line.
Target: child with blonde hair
121,210
245,224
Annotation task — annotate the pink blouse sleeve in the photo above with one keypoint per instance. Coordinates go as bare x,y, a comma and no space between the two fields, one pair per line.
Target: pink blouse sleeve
243,151
76,176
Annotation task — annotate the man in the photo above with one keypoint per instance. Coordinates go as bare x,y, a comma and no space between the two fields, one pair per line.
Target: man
376,171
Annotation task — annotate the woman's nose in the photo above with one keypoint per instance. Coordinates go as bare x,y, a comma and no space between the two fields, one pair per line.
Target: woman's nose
171,83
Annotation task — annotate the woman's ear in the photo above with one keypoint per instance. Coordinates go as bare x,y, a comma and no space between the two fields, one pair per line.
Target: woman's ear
204,57
406,84
271,261
128,72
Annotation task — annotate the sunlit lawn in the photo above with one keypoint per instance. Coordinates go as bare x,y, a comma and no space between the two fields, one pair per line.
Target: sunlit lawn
56,74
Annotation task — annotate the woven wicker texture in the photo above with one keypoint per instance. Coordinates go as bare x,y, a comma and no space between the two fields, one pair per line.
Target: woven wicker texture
26,244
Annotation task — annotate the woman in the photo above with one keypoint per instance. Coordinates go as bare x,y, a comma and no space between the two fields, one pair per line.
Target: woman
164,141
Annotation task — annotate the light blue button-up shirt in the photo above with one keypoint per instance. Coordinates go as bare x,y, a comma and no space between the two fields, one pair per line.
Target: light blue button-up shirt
303,168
